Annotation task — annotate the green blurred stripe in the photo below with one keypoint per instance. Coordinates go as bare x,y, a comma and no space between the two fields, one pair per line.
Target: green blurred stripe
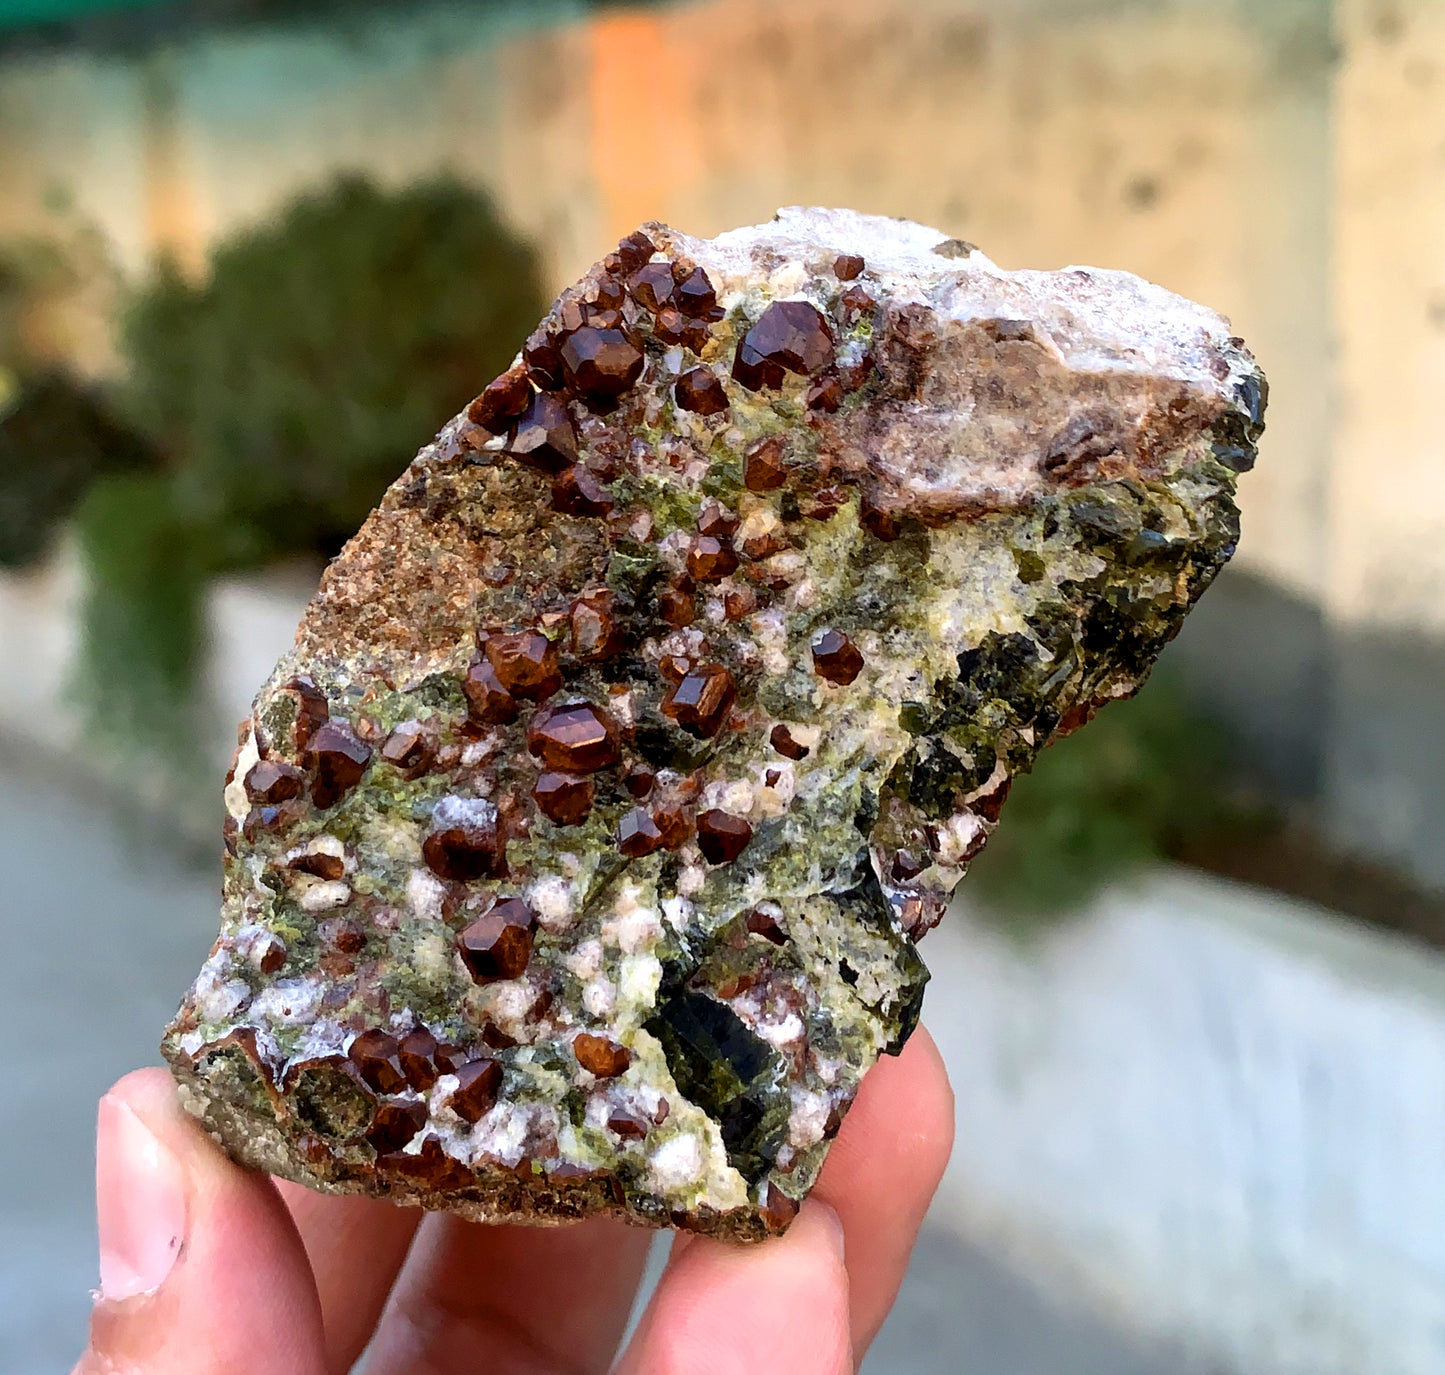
14,13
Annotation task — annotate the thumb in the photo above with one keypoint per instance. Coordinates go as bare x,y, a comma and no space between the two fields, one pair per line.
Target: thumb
778,1307
200,1266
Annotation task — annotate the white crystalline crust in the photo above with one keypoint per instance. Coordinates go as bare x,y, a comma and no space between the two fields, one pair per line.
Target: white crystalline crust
1097,318
1095,339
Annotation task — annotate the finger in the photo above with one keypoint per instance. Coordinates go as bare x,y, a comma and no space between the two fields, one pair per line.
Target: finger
356,1247
777,1308
200,1266
882,1171
521,1300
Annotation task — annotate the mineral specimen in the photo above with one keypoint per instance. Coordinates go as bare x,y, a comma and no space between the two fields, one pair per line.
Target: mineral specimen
577,854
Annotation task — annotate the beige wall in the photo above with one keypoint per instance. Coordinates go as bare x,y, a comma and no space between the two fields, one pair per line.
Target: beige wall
1387,490
1208,144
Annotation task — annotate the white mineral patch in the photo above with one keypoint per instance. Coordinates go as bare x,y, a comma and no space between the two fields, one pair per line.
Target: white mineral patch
725,1187
786,567
215,1002
321,895
622,707
321,1038
502,1132
441,1091
599,996
217,967
251,941
237,803
553,900
464,811
803,596
732,795
636,925
598,1109
809,1117
781,1033
828,1069
673,549
956,834
288,1002
637,980
807,736
772,799
509,1001
584,960
677,912
424,893
676,1163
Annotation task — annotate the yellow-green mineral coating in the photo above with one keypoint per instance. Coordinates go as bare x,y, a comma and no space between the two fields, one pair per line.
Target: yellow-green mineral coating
577,855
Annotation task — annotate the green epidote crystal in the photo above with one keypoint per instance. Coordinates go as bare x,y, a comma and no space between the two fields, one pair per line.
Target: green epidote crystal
578,855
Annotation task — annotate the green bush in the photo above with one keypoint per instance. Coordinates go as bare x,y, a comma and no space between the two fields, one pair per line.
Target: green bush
142,620
284,393
293,385
57,434
57,437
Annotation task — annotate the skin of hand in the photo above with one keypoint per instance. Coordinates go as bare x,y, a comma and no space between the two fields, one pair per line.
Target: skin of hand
207,1267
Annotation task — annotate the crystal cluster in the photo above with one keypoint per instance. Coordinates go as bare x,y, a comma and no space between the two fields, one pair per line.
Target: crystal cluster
577,855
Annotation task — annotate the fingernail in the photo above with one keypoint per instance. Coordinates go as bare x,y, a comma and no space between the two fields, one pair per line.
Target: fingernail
140,1201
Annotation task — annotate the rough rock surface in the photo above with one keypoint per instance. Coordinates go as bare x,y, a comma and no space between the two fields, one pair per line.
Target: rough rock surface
576,857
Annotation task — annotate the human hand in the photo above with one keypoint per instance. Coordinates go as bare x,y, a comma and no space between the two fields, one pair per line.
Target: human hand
210,1269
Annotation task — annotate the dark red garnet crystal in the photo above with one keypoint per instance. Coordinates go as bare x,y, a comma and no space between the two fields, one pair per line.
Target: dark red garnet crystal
789,336
721,836
478,1083
465,842
782,741
637,834
525,663
375,1055
576,492
544,436
574,738
600,363
501,401
498,944
763,469
836,658
698,390
271,780
563,797
699,702
600,1055
339,757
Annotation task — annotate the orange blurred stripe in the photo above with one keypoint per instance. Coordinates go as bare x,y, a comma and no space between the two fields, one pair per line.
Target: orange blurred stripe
637,117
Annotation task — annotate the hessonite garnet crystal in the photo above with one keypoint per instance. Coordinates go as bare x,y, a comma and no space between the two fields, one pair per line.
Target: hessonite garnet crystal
577,855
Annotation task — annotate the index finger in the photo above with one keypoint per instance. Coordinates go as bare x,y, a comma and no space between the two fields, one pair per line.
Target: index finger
804,1302
882,1172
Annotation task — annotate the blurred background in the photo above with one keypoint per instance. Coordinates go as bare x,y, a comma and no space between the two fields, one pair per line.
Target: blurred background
253,252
